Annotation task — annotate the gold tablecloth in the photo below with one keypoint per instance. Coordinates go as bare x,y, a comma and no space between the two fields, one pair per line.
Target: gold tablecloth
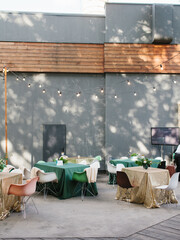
144,182
8,202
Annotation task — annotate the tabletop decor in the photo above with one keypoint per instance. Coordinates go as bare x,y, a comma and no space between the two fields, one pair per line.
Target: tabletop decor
142,161
2,164
134,156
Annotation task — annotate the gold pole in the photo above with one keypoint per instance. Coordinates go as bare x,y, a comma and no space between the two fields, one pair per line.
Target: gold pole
5,82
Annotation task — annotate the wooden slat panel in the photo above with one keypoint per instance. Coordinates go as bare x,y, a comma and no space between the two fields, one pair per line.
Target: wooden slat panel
89,58
141,58
52,57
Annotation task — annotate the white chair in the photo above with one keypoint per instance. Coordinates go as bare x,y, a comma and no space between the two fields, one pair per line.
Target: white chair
159,158
173,183
124,157
112,170
119,167
45,179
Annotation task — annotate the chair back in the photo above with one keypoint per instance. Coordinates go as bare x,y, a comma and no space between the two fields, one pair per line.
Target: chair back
111,168
171,170
119,167
26,189
173,181
123,180
80,177
95,165
124,157
159,158
162,165
46,177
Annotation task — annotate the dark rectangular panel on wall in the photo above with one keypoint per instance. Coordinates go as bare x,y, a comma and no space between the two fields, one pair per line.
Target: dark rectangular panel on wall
52,57
141,58
54,141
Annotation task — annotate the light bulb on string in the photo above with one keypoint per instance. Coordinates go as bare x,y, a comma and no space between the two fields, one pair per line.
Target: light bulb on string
102,90
115,96
135,94
78,94
154,89
58,91
96,97
128,82
17,79
161,66
24,79
60,94
174,81
29,85
40,86
43,91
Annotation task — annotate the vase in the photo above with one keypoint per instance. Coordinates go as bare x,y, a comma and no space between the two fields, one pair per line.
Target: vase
145,166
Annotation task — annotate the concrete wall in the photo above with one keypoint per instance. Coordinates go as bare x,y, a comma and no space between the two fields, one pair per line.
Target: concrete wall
39,27
29,109
129,118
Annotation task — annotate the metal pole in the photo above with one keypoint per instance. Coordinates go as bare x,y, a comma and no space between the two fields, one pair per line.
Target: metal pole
5,82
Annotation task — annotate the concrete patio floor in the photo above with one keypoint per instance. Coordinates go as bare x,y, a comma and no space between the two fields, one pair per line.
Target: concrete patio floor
95,217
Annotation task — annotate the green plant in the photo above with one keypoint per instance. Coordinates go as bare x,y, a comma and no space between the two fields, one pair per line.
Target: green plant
2,163
63,159
142,161
134,155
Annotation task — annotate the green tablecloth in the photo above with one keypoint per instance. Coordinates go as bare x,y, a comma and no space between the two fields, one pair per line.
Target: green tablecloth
130,163
65,186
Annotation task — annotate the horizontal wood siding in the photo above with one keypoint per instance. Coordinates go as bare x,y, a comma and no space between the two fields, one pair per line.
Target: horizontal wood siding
52,57
89,58
141,58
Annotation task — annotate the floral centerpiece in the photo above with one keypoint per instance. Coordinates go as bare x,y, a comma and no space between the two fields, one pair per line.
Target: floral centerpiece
64,159
142,161
134,156
2,164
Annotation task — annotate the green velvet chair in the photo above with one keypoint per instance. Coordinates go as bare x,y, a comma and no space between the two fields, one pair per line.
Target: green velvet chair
82,180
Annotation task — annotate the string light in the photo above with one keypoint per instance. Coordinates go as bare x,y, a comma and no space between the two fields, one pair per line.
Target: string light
60,94
43,91
29,85
128,82
135,94
96,97
58,91
102,90
24,79
154,89
78,94
115,96
174,81
161,66
17,79
40,86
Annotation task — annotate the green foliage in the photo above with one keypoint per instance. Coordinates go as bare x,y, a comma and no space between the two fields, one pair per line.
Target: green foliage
134,155
2,163
142,161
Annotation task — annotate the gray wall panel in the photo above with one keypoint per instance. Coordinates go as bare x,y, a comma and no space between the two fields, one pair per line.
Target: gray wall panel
39,27
129,118
29,109
128,23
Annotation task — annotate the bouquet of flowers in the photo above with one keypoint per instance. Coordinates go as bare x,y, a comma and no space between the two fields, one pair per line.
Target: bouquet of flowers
142,161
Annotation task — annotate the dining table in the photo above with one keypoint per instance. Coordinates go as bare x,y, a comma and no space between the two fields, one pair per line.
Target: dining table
144,182
9,202
65,188
130,163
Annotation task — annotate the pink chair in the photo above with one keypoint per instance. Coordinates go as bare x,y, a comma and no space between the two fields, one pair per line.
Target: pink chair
24,190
